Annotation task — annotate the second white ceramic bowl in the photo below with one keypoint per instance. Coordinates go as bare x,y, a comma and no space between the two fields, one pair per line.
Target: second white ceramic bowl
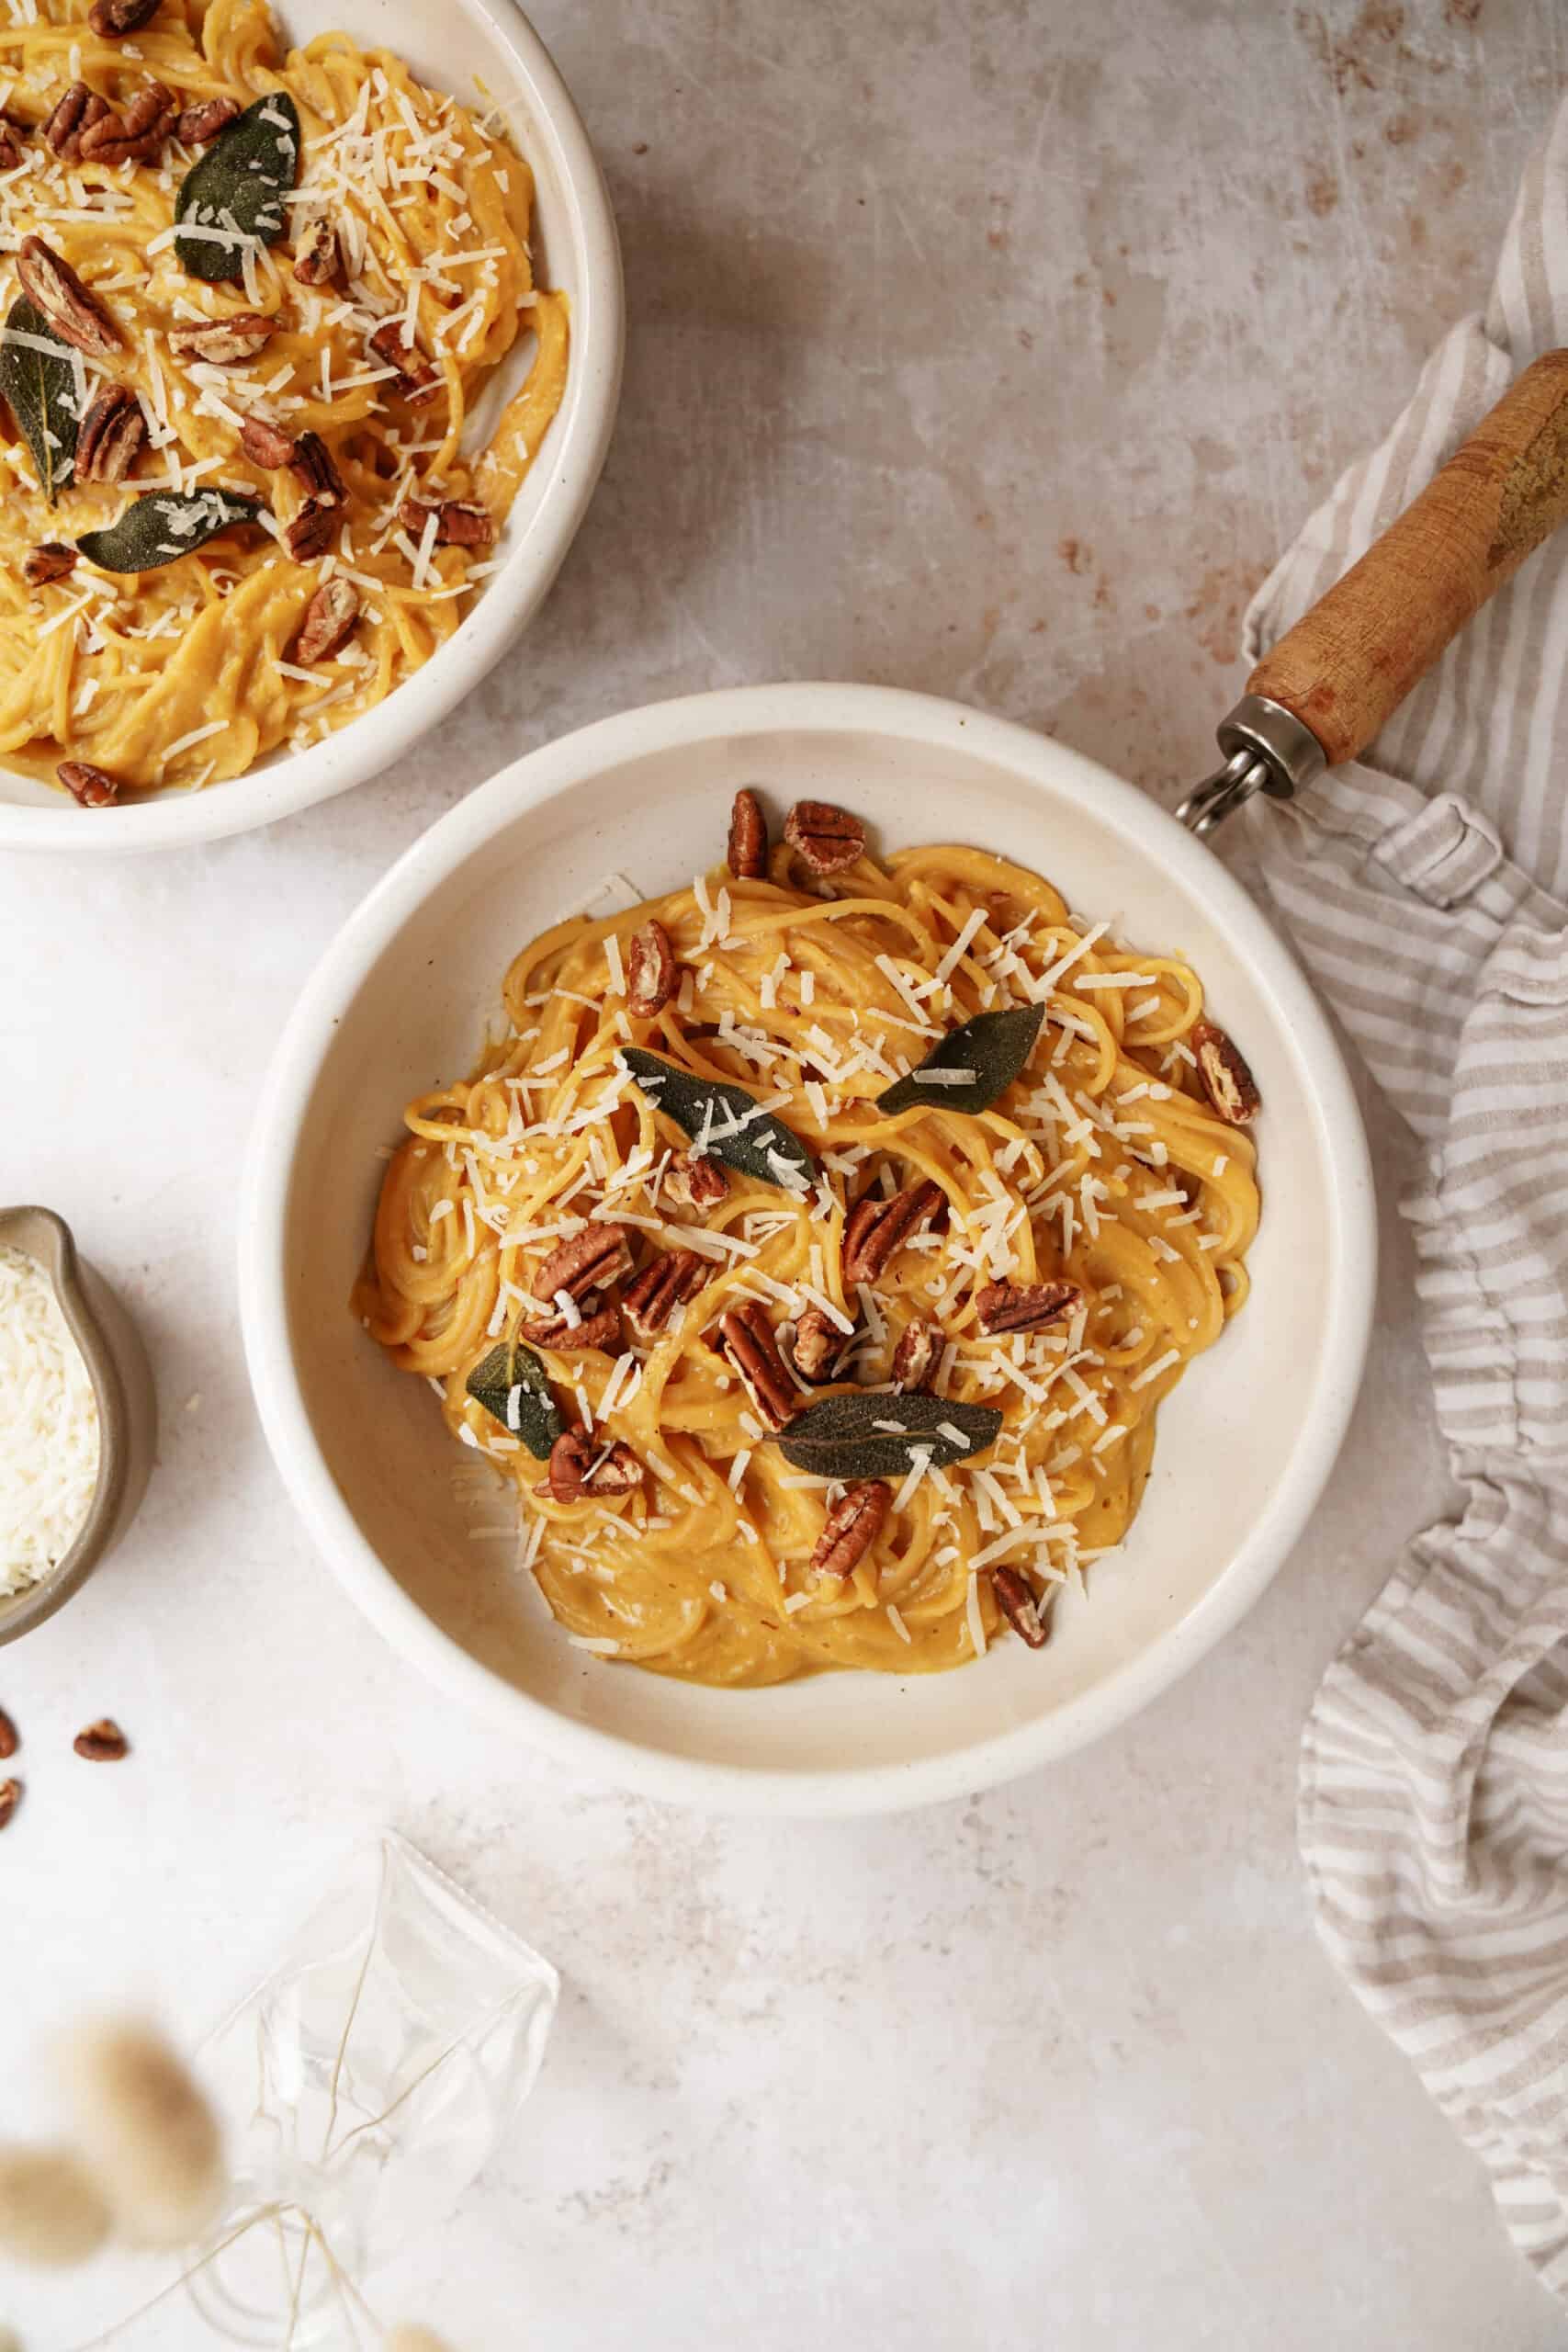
483,51
403,1000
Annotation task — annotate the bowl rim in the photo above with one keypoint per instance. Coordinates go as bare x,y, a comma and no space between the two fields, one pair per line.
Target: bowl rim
933,723
576,448
45,1238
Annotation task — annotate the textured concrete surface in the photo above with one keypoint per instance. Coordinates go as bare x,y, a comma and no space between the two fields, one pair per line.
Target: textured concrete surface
993,348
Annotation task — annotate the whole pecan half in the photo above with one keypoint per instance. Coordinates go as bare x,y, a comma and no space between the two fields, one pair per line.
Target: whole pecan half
318,257
417,381
328,622
10,147
747,1338
876,1228
10,1798
600,1331
112,19
52,560
135,136
589,1261
77,111
1019,1606
310,463
265,443
94,787
915,1354
111,436
747,853
651,1299
1024,1306
103,1742
200,123
580,1467
851,1528
1227,1081
827,839
819,1344
224,343
650,971
459,522
77,316
694,1180
309,535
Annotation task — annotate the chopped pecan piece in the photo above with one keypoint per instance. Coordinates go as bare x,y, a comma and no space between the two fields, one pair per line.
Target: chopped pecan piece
650,971
111,436
819,1344
1024,1306
650,1300
224,343
829,839
876,1228
328,622
915,1354
52,560
746,1336
10,1798
851,1528
9,1742
103,1742
459,522
200,123
135,136
78,110
78,317
265,443
10,146
309,534
310,462
1019,1606
1227,1081
318,258
112,19
747,853
417,381
694,1179
579,1467
92,786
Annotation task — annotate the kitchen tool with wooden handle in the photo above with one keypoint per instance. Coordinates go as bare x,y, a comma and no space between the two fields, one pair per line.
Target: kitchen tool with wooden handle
1321,695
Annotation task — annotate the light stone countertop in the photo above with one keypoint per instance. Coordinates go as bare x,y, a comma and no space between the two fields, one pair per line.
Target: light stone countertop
992,349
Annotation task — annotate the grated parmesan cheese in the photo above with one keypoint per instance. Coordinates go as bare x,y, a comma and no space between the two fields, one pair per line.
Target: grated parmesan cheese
49,1428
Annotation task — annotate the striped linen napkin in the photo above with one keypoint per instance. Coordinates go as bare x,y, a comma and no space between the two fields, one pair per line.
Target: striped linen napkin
1427,887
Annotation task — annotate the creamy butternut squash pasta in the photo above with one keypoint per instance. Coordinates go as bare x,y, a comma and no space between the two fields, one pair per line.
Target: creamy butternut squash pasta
257,454
814,1247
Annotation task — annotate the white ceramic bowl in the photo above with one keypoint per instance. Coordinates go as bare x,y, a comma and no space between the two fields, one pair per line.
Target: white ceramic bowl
454,45
403,1000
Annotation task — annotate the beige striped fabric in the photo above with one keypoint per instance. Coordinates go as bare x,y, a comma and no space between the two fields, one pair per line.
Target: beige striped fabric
1426,889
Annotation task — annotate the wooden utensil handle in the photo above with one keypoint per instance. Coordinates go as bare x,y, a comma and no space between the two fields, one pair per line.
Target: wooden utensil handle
1349,663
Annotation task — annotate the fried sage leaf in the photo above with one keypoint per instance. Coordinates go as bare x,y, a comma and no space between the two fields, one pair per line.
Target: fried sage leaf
513,1371
991,1050
234,195
161,529
726,1120
862,1434
42,391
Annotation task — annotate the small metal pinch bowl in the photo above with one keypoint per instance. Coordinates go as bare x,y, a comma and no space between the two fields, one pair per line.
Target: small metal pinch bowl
122,1383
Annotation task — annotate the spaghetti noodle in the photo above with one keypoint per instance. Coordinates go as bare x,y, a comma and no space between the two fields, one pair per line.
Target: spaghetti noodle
186,674
1102,1187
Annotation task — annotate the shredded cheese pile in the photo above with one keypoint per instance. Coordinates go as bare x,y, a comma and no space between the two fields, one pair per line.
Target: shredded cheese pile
1104,1162
49,1428
181,676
